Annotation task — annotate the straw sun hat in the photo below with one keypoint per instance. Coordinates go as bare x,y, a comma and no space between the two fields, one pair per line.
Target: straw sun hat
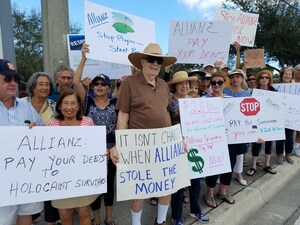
181,76
152,49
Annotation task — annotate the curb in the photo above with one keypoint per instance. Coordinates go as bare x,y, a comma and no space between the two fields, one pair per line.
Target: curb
254,196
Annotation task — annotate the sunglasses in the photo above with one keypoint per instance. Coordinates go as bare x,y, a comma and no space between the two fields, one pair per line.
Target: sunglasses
220,83
264,77
250,79
8,79
152,59
205,78
98,84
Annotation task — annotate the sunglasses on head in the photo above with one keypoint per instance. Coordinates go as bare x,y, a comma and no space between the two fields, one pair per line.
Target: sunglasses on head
152,59
250,79
220,83
8,79
98,84
264,77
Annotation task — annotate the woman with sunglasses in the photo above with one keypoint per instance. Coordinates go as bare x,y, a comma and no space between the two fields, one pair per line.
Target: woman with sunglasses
180,85
286,76
102,111
251,77
237,81
218,84
264,81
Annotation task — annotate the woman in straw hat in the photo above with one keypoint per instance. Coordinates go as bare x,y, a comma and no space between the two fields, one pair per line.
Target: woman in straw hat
180,84
143,104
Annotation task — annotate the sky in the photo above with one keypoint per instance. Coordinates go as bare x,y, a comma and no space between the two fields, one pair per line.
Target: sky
159,11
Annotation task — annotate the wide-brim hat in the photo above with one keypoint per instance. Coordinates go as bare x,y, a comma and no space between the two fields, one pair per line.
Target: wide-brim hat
75,202
152,49
237,71
199,73
181,76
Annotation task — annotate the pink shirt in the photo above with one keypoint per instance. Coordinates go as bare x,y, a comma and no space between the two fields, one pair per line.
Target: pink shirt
86,121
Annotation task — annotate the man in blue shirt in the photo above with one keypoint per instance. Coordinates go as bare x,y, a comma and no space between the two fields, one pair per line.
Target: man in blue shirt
15,112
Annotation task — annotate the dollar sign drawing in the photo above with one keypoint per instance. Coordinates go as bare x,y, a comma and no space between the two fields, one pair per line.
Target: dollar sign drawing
192,157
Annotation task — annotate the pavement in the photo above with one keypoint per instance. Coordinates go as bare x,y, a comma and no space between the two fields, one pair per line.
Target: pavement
260,188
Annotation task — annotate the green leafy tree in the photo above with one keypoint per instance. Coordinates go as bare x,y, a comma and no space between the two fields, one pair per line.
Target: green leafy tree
278,31
27,27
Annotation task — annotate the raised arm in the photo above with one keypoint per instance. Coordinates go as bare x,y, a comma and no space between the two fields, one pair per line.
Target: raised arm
238,55
78,74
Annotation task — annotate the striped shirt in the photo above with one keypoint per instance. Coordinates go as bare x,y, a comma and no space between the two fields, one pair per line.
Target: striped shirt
86,121
20,112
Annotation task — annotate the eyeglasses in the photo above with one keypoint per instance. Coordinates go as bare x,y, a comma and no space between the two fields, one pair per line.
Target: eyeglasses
98,84
8,79
264,77
220,83
152,59
250,79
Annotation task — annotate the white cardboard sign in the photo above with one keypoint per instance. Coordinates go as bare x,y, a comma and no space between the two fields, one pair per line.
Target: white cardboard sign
290,107
289,88
244,25
46,163
152,163
93,67
192,41
203,128
250,118
113,34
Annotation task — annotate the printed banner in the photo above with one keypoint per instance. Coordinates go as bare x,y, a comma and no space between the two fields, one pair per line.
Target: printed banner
152,163
290,107
199,41
255,58
203,128
46,163
244,25
93,67
113,34
288,88
248,119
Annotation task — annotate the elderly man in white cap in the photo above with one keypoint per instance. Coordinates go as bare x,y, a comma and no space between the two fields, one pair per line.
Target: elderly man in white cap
15,112
143,104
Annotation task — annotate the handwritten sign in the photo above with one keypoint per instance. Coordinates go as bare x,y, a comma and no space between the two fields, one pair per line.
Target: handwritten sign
152,163
290,107
254,58
112,34
247,119
289,88
46,163
93,67
244,25
203,128
199,41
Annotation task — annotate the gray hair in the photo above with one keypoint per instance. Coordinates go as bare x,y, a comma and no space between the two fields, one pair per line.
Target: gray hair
31,83
64,68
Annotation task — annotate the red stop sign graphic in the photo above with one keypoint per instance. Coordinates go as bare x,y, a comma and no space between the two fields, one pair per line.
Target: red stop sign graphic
249,107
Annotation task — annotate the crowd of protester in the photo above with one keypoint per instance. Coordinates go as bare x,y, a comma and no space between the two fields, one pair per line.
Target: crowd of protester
71,100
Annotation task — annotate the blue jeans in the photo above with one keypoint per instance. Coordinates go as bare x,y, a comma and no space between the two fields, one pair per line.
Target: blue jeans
177,199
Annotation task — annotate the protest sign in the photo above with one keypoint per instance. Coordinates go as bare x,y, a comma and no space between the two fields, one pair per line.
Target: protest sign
255,58
113,34
205,42
203,128
93,67
290,107
244,25
46,163
152,163
248,119
288,88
